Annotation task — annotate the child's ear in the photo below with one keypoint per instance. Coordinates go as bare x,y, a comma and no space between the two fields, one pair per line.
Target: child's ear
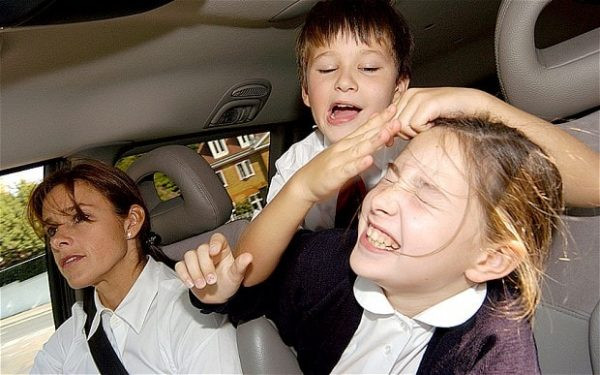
133,222
496,262
305,97
401,86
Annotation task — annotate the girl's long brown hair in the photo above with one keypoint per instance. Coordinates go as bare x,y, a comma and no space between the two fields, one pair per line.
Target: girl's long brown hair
520,192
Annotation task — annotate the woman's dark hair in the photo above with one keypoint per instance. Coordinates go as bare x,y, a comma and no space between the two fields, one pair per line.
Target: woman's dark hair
115,185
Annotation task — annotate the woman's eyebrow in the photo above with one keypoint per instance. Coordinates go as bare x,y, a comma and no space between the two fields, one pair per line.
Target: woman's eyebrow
67,211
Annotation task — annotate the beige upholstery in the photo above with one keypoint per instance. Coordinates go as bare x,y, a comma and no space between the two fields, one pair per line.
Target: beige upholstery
559,82
188,221
262,351
203,208
554,82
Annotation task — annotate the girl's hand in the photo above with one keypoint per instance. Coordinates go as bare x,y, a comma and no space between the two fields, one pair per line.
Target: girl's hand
329,170
211,271
419,107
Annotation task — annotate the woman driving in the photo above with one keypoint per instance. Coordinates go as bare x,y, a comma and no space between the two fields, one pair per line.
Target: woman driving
99,233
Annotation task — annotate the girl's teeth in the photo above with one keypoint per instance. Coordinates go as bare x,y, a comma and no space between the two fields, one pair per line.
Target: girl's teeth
381,240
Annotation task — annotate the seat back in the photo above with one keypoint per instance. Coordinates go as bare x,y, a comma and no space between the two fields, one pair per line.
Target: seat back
262,351
556,83
189,220
203,208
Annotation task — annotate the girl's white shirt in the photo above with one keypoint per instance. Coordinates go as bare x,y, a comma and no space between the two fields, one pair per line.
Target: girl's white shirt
388,342
155,329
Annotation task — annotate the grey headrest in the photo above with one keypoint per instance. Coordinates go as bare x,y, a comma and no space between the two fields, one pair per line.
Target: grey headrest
262,351
595,339
204,203
554,82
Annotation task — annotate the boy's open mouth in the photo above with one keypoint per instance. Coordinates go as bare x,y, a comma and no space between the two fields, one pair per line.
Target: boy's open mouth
340,113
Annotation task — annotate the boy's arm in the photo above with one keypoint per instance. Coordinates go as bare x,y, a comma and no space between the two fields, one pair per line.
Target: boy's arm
577,163
268,235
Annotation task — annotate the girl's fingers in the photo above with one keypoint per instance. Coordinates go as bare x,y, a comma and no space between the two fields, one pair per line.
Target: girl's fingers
193,266
239,266
183,274
218,243
207,266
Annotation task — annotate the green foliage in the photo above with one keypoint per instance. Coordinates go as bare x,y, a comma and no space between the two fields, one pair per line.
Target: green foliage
165,188
243,210
18,241
124,163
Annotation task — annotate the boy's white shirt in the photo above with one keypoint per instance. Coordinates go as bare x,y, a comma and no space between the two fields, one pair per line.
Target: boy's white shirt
322,214
388,342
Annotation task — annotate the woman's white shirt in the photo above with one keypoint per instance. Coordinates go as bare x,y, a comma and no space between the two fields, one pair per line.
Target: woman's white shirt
155,329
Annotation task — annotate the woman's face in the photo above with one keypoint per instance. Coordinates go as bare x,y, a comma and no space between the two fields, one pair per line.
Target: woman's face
418,232
88,248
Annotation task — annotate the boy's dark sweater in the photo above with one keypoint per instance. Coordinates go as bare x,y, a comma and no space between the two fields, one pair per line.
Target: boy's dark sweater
310,299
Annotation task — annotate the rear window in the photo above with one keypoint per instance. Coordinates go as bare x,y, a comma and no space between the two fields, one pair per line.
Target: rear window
241,163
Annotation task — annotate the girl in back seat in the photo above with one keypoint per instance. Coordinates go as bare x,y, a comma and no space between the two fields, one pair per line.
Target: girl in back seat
442,275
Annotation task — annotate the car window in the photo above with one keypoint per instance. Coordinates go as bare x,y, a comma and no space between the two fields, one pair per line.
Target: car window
26,312
241,163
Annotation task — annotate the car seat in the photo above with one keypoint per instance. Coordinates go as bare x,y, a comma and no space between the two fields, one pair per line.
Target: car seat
203,208
559,82
189,220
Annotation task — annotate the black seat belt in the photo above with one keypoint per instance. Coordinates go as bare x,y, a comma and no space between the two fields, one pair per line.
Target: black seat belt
103,353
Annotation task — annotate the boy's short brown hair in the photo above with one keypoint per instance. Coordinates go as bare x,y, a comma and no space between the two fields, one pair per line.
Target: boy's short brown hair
365,20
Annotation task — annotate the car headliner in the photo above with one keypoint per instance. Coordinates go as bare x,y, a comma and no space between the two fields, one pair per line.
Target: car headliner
161,73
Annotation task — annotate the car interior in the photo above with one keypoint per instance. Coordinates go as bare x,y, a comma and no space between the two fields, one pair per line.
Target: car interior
148,78
559,82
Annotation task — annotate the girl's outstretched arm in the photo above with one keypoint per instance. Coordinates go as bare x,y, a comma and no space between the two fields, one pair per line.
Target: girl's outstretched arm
268,235
578,164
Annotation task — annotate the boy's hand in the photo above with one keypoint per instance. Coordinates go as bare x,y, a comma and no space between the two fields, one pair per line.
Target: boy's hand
330,169
419,107
211,271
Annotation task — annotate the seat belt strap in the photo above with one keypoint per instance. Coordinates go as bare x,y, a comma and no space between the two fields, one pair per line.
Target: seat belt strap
105,358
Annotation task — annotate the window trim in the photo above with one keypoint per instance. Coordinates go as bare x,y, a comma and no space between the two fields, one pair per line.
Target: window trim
221,176
218,148
256,198
246,167
245,140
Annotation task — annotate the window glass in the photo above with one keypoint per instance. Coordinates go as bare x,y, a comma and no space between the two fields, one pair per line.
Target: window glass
244,172
25,312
